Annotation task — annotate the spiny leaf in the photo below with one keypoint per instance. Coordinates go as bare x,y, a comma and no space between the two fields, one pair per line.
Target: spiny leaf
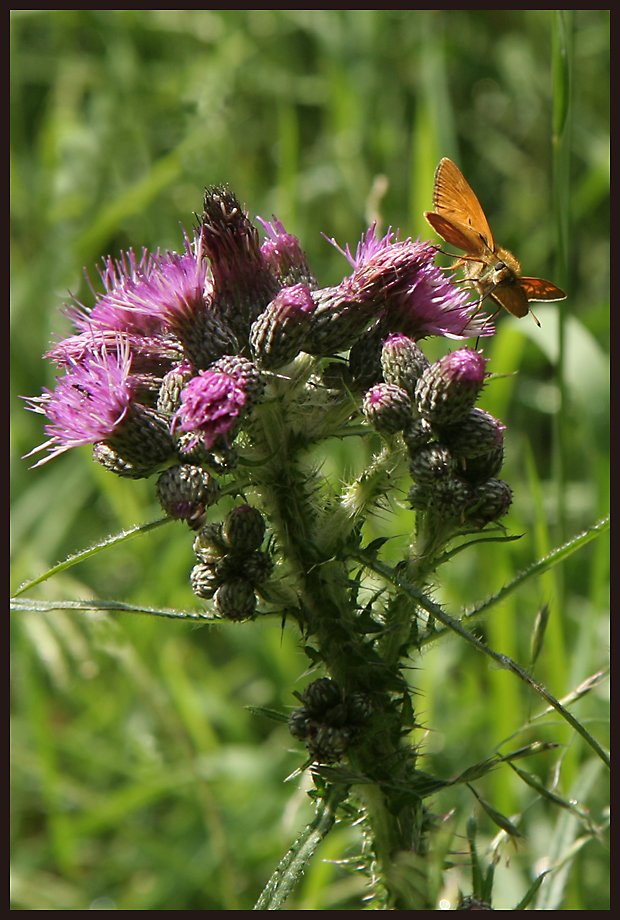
498,818
272,714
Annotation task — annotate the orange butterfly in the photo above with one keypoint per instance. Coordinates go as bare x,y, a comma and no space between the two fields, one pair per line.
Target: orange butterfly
494,272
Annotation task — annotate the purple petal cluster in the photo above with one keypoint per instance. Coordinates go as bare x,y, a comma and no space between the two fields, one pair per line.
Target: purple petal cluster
284,255
89,403
210,406
413,295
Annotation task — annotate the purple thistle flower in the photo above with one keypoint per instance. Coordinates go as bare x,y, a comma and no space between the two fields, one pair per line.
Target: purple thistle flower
210,406
163,295
411,295
117,309
367,247
89,403
180,288
284,255
151,354
171,291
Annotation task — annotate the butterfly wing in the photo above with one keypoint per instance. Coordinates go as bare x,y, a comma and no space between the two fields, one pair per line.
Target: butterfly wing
539,289
459,235
511,297
454,199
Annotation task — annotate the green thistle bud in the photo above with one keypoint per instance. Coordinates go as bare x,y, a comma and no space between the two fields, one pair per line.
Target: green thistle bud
144,438
206,337
342,314
185,492
403,362
359,708
169,398
365,358
298,724
327,744
431,464
110,460
210,542
329,723
321,695
244,528
452,497
493,499
255,567
204,580
420,497
448,389
478,469
277,335
387,407
235,600
478,433
417,434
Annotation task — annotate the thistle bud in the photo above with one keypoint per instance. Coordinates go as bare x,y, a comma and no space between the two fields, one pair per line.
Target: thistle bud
235,600
329,723
358,708
255,567
321,695
244,528
210,542
298,724
365,358
205,337
486,466
172,385
204,580
478,433
448,389
341,315
452,497
493,499
284,255
417,434
431,464
112,461
185,492
403,362
420,497
277,335
387,407
143,440
243,283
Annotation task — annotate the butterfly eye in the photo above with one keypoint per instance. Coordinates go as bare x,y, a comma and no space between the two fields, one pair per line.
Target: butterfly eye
500,266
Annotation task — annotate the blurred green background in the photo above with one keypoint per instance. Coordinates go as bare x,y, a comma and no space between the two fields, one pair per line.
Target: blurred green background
140,780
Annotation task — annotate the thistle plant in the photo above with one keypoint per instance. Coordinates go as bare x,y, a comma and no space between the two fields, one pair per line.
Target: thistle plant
220,371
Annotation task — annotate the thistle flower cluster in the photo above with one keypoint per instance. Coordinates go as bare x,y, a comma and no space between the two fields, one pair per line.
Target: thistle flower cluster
329,723
455,449
219,369
231,565
165,371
